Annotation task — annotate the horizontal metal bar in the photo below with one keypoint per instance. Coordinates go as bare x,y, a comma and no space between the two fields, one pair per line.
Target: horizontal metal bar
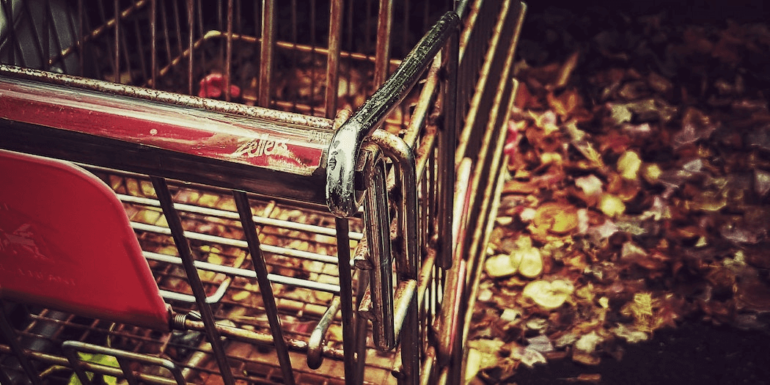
70,347
233,215
238,243
214,298
298,47
266,152
95,368
246,273
265,339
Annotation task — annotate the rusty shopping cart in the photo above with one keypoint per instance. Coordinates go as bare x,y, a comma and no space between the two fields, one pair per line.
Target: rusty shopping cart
186,197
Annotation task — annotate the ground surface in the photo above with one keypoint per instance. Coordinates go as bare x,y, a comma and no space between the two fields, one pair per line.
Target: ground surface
695,353
632,241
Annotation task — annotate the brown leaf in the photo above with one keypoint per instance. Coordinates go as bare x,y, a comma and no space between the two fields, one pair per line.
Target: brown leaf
558,218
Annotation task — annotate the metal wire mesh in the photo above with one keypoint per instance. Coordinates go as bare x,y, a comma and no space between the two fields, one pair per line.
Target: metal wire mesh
323,57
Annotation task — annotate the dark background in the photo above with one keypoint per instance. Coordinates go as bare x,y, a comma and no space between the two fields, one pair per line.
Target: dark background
696,352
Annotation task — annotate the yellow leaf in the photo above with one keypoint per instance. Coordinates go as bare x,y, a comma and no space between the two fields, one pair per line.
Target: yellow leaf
629,164
611,205
651,173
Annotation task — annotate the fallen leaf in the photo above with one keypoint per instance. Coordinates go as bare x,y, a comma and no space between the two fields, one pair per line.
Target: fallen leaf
548,295
556,217
611,205
629,165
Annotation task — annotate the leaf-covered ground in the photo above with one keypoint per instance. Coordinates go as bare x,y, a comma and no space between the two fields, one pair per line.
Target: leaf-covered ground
637,204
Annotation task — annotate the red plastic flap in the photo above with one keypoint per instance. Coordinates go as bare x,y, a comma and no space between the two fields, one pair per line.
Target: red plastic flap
66,243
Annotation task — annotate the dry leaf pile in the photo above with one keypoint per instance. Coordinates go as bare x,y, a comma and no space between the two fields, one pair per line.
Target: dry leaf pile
637,198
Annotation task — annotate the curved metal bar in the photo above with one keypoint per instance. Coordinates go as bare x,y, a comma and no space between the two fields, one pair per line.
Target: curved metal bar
347,141
377,220
315,343
407,260
403,156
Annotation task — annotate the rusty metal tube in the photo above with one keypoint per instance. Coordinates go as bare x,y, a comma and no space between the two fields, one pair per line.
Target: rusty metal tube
384,26
403,156
446,160
333,58
267,51
315,342
347,141
377,227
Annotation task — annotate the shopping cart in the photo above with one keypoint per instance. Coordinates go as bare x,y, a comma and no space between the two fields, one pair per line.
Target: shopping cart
187,198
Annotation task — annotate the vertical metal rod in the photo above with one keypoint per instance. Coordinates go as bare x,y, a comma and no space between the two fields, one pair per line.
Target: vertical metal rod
450,315
74,361
405,29
178,25
457,332
294,95
190,39
333,58
116,79
202,64
382,56
10,336
368,27
183,247
110,55
312,56
377,227
349,45
407,263
258,260
46,43
407,260
346,297
81,39
447,143
14,43
153,42
125,366
410,344
228,49
164,17
432,199
238,29
266,52
140,43
127,58
36,38
220,28
427,367
361,328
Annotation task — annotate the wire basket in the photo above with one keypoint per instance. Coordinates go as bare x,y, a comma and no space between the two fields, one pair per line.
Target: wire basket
271,235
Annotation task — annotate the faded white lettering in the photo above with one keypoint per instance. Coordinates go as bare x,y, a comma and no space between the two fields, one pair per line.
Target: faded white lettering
263,145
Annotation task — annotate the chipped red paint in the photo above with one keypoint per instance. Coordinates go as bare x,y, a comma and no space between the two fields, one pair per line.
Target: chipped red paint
252,141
